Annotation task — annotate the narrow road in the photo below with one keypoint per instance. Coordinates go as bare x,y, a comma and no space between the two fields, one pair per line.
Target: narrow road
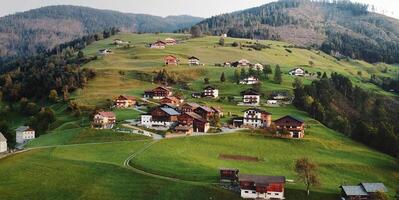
154,135
127,162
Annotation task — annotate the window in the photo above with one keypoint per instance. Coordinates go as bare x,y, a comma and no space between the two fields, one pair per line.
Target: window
253,192
276,193
246,191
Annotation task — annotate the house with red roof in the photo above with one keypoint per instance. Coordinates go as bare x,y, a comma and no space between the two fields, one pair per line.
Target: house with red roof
124,101
176,101
104,120
158,45
171,60
261,187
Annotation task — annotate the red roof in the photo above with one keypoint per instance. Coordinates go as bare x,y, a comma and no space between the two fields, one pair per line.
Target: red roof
124,97
107,114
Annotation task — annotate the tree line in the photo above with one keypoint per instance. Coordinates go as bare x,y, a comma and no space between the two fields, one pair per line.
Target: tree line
364,116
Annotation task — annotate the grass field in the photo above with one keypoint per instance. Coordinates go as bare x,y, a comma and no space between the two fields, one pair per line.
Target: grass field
77,170
340,160
49,174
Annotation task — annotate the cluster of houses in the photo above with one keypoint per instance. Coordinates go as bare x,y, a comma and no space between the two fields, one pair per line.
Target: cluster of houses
243,63
171,60
362,191
208,92
254,186
161,44
120,42
174,114
272,187
287,126
23,135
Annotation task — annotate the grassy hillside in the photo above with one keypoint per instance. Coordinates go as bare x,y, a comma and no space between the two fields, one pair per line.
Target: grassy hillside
45,174
98,168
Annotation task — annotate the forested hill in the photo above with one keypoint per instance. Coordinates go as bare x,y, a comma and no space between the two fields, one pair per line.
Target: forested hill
341,27
46,27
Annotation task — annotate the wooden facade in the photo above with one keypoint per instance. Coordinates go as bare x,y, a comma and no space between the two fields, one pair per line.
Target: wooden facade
291,125
171,60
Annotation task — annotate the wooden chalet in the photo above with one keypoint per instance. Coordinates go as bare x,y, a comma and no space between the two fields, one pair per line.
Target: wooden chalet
291,125
210,92
363,191
194,120
170,41
262,187
164,114
176,101
124,101
181,129
193,61
171,60
205,112
104,120
250,97
158,93
189,107
228,175
158,45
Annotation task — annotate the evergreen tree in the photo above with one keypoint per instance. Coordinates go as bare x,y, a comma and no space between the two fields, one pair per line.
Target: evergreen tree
278,75
222,78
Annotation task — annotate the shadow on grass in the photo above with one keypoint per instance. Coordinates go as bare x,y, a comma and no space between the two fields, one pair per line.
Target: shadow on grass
296,194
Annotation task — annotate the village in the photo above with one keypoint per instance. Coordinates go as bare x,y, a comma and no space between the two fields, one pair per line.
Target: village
167,115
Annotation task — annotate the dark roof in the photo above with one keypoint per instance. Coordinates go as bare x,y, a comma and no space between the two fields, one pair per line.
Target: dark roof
193,57
161,87
194,105
354,191
291,117
261,179
229,169
258,110
195,116
170,111
127,97
209,88
250,92
107,114
374,187
207,109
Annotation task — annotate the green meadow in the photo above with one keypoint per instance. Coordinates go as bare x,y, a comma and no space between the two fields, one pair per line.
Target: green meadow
73,161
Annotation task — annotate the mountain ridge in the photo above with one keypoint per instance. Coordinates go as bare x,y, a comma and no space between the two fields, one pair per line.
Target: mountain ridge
50,26
340,27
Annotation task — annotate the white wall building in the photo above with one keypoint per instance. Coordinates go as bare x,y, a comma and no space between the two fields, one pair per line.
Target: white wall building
24,134
257,118
210,92
297,72
3,143
251,80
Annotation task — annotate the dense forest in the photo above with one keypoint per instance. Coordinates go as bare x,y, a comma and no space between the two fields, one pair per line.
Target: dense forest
364,116
28,82
44,28
338,27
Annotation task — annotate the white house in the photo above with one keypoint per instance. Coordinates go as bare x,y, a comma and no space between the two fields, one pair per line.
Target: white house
104,52
258,66
210,92
224,35
251,80
3,143
261,187
104,120
193,61
257,118
243,62
250,98
24,134
297,72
